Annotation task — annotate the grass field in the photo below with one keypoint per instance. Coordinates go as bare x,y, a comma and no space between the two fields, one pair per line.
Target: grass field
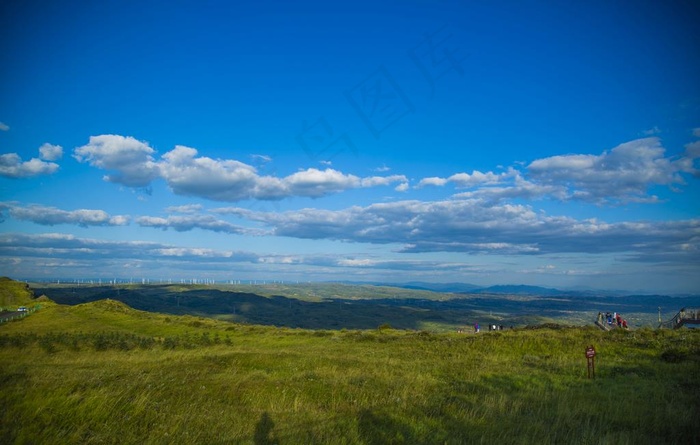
105,373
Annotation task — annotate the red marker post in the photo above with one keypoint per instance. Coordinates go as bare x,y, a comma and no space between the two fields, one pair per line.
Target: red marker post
590,356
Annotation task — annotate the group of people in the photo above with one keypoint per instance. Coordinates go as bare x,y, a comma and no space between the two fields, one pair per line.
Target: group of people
613,319
477,328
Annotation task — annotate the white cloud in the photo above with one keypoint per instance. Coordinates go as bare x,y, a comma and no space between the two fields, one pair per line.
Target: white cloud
696,132
261,158
187,173
517,188
49,152
434,181
403,187
12,166
353,262
316,183
220,180
477,178
652,131
375,181
688,162
382,169
184,223
132,160
188,208
465,180
476,225
4,127
43,253
50,216
59,245
623,174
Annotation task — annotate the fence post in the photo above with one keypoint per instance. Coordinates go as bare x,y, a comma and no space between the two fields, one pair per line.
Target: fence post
590,357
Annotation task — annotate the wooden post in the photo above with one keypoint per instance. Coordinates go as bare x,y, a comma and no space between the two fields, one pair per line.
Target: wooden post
590,357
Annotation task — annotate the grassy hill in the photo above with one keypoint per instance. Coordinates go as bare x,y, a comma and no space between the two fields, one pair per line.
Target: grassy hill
14,293
102,372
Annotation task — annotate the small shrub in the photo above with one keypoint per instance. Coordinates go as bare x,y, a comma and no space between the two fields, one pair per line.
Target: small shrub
674,355
47,345
100,342
170,343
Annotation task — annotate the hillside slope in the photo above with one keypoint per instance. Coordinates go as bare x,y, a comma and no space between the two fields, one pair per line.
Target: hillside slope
14,293
102,372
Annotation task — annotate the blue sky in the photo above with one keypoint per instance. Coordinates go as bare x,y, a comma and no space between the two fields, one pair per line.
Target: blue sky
515,142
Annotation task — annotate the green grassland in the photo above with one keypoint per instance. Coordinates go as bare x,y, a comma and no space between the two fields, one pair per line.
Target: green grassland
102,372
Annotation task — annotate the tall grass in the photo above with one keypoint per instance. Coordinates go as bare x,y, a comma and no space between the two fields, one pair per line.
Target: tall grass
123,376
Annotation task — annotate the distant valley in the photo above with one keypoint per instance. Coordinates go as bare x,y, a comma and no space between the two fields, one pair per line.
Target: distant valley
425,306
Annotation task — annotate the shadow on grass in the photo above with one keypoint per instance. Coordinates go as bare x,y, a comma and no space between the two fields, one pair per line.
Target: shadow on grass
376,429
263,431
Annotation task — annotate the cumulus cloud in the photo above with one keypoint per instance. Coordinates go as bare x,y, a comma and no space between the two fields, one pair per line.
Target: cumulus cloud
696,132
190,174
477,178
130,159
517,188
4,127
466,180
50,216
403,187
434,181
184,223
50,152
12,166
624,174
688,163
316,183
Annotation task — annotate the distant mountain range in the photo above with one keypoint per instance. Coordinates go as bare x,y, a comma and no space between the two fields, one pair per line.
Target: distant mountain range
516,289
461,288
512,289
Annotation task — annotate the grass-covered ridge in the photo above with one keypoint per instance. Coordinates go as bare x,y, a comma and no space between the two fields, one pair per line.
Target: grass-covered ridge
14,293
102,372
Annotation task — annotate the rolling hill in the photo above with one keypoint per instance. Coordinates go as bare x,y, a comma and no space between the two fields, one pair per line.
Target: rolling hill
103,372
